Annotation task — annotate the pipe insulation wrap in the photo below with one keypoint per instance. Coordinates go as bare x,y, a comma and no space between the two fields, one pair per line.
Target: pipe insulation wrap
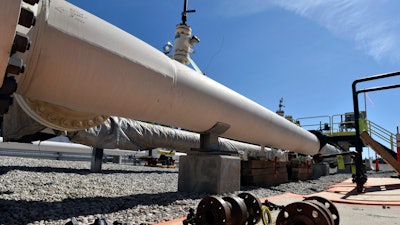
86,64
124,133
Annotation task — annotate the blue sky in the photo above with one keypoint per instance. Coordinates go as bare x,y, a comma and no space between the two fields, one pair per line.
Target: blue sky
308,52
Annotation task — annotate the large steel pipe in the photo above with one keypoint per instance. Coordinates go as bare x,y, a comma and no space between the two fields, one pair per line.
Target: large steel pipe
81,62
9,14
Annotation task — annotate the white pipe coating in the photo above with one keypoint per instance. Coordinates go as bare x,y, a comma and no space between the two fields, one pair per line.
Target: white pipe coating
86,64
51,146
9,14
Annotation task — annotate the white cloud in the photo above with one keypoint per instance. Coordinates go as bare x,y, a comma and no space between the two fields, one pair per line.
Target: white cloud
374,26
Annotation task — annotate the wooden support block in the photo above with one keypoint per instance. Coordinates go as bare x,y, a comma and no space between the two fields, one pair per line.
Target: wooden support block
302,173
263,173
253,164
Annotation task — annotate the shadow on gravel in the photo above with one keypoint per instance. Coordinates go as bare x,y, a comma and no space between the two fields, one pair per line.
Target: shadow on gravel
23,212
6,169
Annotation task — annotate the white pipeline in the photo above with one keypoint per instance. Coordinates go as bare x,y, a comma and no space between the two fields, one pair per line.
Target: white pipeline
52,146
86,64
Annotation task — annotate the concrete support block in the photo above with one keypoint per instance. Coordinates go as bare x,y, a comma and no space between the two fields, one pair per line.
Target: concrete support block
213,174
97,160
320,169
117,159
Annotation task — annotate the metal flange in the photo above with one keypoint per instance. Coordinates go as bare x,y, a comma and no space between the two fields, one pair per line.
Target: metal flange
238,209
213,210
12,14
327,204
303,213
253,205
325,210
9,16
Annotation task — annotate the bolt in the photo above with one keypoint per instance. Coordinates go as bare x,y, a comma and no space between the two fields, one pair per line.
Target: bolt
32,2
21,43
15,66
26,18
9,86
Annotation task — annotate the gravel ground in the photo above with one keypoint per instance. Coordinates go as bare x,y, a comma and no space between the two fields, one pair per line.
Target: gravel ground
42,191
